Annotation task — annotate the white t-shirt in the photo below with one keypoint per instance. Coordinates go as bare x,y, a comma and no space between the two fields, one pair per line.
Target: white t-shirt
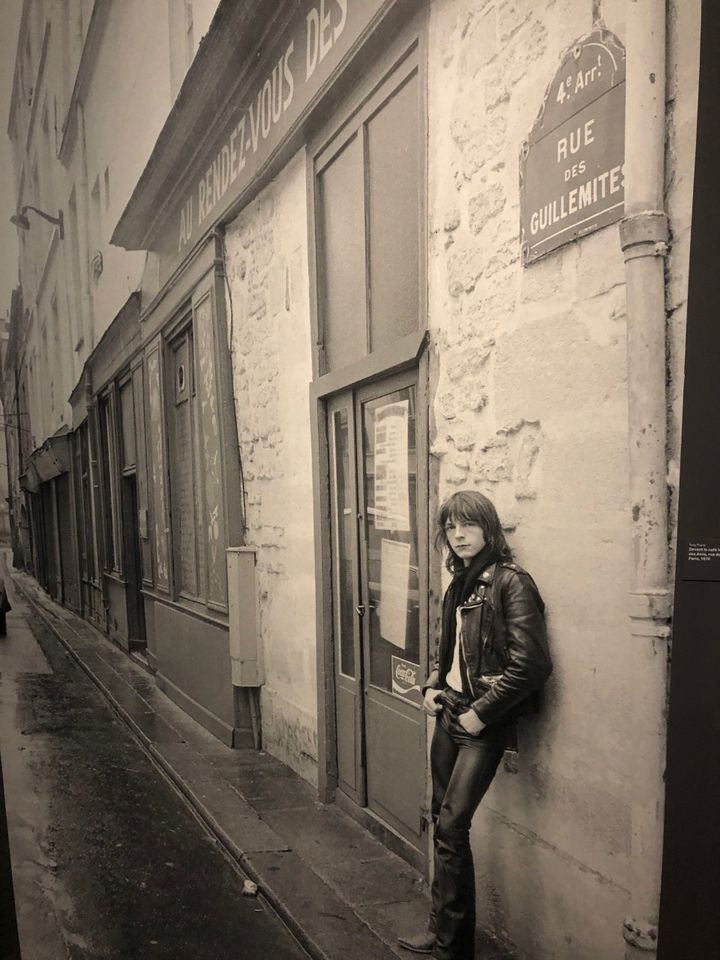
454,676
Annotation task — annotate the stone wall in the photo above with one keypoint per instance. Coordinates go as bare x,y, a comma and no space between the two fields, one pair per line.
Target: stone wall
528,378
269,319
130,91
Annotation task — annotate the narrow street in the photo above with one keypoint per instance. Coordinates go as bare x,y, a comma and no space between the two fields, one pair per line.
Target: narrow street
108,862
358,361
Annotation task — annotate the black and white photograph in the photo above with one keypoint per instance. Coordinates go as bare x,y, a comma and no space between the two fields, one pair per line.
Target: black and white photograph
359,480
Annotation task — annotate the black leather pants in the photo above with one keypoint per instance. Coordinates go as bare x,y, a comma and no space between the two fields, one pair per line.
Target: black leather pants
462,767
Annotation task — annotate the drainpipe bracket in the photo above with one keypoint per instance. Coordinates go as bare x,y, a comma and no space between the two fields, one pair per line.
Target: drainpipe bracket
653,605
88,385
644,234
653,630
640,934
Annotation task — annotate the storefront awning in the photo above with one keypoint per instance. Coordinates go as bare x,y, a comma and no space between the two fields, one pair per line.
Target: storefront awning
52,458
29,481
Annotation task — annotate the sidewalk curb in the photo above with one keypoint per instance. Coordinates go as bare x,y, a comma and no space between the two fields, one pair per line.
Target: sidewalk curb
241,860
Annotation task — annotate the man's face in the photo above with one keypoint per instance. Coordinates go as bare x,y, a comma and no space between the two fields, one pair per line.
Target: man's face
465,538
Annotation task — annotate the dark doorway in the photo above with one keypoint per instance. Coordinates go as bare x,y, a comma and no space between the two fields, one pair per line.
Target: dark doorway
68,556
133,562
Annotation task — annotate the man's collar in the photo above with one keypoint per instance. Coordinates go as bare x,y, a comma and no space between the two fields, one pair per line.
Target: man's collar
488,574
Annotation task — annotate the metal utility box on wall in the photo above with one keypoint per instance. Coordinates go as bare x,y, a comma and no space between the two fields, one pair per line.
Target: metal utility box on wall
243,618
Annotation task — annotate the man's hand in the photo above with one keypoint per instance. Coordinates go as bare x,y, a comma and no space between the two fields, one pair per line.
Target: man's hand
430,706
471,723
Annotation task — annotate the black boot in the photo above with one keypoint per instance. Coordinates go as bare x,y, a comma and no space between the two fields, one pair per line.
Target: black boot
419,942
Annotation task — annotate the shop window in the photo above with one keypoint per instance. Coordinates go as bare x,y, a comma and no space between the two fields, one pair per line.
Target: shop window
182,479
342,232
83,476
157,467
210,492
393,205
109,474
368,203
127,424
195,458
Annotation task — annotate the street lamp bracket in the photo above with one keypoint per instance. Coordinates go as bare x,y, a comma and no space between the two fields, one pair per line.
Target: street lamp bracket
20,220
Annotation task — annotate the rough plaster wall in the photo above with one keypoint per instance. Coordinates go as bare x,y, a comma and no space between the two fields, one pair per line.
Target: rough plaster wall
271,337
530,406
125,108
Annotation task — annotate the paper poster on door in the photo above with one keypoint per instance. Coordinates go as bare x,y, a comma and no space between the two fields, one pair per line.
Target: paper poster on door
392,500
394,577
406,679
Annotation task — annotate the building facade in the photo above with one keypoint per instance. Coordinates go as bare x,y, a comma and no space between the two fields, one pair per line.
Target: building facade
340,287
80,137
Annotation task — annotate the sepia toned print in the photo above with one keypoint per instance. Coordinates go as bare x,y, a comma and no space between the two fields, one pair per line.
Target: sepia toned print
278,281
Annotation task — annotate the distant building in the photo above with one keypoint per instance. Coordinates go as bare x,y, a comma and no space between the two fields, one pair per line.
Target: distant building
18,443
4,474
312,275
89,98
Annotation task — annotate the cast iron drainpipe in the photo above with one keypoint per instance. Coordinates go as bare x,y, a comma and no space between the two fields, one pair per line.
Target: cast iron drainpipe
643,237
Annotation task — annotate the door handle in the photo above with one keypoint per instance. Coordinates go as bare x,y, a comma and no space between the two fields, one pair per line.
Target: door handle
360,609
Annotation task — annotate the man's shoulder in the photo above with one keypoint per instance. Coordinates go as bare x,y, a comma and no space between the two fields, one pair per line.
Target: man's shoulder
517,580
500,572
508,570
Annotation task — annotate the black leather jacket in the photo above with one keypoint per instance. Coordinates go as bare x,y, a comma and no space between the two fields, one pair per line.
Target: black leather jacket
505,656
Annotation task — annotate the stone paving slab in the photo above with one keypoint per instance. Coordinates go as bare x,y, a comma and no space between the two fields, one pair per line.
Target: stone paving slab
328,921
343,894
271,788
185,761
375,881
389,919
321,836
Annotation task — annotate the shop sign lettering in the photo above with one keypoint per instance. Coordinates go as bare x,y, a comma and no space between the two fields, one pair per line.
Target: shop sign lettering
284,83
571,165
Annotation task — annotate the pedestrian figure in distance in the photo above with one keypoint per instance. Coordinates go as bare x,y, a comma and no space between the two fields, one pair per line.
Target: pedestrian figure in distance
492,659
5,608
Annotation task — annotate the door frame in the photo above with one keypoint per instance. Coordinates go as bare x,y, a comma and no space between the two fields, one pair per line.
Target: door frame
376,698
401,356
353,685
382,53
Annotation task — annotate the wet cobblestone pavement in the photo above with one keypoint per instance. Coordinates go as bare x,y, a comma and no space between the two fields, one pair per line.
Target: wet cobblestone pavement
108,861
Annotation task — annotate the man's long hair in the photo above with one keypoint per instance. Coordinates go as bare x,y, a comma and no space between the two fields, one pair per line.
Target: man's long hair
470,506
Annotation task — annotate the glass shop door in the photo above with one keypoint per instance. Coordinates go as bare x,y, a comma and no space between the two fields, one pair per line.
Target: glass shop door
378,591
